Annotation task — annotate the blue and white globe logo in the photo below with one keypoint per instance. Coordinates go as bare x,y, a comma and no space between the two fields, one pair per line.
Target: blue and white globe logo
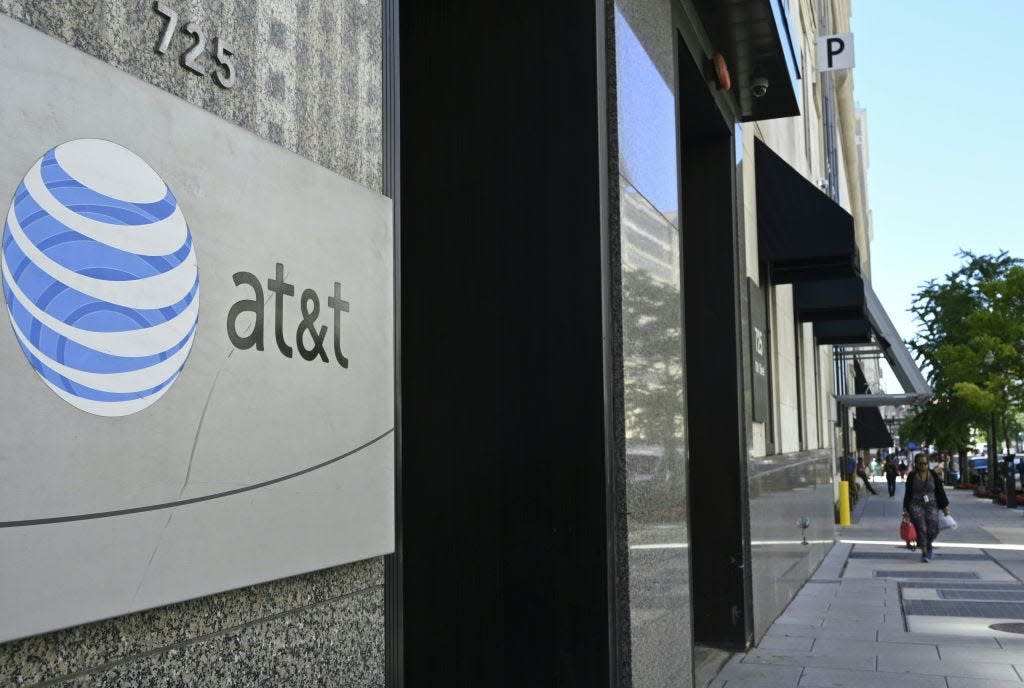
100,277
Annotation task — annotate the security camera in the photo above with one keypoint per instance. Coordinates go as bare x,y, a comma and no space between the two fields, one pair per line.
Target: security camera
759,86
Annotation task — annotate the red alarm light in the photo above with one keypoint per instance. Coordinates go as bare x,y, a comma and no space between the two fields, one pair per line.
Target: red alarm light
722,72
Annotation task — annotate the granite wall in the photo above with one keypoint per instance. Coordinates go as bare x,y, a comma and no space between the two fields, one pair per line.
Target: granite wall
309,78
787,492
309,71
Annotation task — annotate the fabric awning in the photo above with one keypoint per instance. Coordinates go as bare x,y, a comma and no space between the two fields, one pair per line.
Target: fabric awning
867,421
843,331
870,429
803,234
833,299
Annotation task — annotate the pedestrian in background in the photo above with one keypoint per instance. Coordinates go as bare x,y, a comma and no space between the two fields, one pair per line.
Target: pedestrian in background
903,469
922,499
939,466
864,476
890,471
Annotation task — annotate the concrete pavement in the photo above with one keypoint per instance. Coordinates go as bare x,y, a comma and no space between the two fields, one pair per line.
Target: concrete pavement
874,615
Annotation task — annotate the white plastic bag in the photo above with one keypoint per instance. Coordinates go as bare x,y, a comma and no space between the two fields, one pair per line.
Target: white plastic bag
947,522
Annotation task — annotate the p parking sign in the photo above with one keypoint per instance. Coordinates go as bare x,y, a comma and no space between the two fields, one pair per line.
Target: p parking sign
835,52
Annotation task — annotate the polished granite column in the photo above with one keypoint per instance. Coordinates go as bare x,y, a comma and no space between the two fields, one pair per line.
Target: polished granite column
654,443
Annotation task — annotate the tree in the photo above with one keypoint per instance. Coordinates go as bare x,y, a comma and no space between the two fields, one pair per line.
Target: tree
945,425
971,340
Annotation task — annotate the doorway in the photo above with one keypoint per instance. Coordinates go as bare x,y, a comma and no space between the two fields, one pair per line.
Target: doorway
714,304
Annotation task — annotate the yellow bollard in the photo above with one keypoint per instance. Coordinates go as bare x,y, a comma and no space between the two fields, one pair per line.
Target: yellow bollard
844,503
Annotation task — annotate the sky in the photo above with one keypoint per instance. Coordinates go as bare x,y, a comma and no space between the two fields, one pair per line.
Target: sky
943,84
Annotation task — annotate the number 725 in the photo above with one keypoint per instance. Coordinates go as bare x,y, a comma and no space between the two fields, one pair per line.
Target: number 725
225,72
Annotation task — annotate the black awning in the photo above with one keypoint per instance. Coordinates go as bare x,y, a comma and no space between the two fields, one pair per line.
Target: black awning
867,420
843,331
860,381
802,234
870,428
837,299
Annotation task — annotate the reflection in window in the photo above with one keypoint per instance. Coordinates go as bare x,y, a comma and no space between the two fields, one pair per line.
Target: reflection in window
647,122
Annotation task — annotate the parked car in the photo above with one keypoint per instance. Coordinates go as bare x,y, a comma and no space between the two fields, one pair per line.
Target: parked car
979,466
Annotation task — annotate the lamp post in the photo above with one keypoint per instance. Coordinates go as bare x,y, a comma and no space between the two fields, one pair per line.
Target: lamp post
990,358
1011,482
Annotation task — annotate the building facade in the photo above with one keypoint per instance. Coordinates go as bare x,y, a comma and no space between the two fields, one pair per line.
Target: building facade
626,237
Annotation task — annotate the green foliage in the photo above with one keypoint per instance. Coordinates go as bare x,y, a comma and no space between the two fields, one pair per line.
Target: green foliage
976,398
971,340
945,425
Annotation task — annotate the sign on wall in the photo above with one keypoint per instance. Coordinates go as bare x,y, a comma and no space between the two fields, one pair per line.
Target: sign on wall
197,354
758,351
835,52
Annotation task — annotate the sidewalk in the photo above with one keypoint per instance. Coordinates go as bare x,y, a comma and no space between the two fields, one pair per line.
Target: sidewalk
874,615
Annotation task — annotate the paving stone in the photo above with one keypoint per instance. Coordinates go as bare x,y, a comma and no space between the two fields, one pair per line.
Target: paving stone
763,672
836,678
861,584
1004,672
855,595
844,623
960,682
808,619
806,659
808,608
888,635
908,653
802,630
762,683
875,616
979,654
858,604
784,642
854,632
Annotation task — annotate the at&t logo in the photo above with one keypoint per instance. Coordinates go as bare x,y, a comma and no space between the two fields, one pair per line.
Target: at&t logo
100,277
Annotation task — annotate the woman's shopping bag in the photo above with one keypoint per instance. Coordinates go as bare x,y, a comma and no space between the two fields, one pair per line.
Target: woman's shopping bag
947,522
908,533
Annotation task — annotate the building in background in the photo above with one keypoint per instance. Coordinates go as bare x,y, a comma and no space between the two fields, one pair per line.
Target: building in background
632,279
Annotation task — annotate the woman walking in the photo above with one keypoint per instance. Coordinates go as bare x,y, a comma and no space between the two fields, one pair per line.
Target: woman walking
922,499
